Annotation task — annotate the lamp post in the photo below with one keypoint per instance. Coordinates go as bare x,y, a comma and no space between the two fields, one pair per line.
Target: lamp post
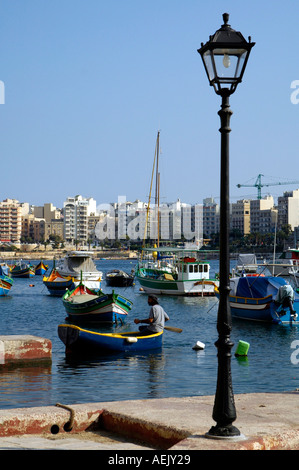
225,57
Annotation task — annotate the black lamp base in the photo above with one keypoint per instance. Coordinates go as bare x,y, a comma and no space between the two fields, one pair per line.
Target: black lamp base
225,432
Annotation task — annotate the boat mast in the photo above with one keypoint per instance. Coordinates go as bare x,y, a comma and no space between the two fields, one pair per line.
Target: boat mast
150,193
157,195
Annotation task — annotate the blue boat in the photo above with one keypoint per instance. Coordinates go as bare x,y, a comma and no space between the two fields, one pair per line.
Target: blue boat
5,270
253,298
56,284
81,340
41,268
22,269
5,285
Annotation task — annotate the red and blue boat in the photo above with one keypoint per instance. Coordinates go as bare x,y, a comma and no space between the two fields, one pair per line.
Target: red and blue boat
77,339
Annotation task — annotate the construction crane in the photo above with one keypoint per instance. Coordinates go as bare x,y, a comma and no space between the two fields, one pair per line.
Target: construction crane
258,184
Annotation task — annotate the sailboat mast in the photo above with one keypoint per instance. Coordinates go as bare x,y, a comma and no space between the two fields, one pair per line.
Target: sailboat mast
157,195
149,198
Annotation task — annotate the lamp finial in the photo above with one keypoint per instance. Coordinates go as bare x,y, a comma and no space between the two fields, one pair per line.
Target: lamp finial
225,17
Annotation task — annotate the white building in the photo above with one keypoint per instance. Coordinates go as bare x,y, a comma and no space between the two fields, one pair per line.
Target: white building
263,215
76,212
288,209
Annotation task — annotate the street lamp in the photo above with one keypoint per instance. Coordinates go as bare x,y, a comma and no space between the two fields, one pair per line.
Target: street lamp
225,56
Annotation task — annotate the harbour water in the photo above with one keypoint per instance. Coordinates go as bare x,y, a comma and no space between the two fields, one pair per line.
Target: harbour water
175,371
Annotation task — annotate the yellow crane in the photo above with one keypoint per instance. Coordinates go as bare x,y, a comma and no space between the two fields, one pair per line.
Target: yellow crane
258,184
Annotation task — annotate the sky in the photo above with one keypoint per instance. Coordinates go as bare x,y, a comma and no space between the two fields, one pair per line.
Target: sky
87,84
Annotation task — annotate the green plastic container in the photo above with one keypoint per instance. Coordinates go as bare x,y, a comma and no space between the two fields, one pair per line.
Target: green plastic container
242,348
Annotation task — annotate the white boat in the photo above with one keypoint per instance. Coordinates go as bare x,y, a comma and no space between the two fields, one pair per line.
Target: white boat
80,265
246,263
188,275
286,265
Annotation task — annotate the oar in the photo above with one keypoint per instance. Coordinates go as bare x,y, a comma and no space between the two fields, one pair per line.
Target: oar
173,328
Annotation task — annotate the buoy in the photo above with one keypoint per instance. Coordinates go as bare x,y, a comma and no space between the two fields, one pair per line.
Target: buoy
31,285
199,345
131,339
242,348
141,289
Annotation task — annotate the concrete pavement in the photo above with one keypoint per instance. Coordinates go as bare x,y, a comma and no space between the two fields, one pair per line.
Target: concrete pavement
266,421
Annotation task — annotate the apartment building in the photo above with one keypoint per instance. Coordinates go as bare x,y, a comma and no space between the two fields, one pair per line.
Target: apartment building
288,209
47,212
10,221
211,217
33,229
240,216
263,215
76,211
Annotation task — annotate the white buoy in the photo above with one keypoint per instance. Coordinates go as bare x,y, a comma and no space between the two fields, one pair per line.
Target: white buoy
131,339
199,345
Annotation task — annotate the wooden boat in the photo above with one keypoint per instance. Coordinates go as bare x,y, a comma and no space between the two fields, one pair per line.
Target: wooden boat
186,275
5,284
88,305
56,284
22,269
41,268
253,298
119,278
81,340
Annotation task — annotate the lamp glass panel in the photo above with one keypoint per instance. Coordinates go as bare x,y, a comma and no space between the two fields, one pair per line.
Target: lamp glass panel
229,63
207,57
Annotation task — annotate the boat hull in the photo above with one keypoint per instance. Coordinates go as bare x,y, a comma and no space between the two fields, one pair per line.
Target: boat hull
119,281
86,305
261,310
251,309
58,288
254,299
188,288
56,284
5,285
41,269
78,339
23,273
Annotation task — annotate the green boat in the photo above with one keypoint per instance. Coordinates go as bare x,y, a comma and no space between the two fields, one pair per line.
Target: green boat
175,271
88,305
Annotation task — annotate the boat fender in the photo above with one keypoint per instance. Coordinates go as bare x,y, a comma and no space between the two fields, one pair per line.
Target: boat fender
199,345
131,339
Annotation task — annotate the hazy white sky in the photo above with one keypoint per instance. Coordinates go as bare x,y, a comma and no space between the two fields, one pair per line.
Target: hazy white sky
88,83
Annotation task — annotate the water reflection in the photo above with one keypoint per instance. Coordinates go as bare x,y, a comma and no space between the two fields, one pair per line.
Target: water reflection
119,371
32,383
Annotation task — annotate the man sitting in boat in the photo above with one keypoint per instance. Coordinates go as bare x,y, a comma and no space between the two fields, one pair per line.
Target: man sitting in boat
155,321
285,297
